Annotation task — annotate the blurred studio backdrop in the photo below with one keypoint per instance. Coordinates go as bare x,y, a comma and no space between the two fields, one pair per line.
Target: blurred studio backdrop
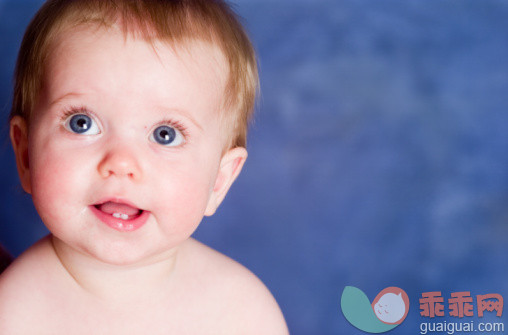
378,156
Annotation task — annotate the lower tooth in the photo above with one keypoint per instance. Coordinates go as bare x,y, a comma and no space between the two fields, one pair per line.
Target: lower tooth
120,216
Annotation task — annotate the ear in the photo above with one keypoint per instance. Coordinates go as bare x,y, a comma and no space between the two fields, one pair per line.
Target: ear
230,166
19,139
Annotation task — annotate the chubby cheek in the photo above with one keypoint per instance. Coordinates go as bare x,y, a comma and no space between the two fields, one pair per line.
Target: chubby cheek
57,177
182,198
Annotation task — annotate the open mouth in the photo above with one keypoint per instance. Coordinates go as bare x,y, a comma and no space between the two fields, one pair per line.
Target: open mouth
119,210
120,216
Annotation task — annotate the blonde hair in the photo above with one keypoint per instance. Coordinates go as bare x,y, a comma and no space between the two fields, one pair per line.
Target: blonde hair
173,21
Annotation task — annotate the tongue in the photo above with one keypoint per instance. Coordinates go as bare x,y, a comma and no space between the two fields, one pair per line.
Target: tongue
113,207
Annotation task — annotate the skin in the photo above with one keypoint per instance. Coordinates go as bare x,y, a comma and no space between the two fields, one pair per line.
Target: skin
155,279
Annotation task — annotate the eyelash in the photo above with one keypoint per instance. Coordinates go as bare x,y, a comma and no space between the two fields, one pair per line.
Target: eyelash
76,110
168,122
175,124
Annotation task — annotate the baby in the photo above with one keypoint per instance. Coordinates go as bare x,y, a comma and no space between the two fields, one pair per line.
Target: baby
128,126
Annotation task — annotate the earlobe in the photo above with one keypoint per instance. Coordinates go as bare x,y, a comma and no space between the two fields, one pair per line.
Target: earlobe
230,167
19,140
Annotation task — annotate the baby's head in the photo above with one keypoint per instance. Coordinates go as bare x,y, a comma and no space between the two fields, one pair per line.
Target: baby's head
129,120
176,23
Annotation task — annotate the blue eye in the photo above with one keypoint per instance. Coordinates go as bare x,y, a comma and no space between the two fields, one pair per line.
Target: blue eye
167,136
81,124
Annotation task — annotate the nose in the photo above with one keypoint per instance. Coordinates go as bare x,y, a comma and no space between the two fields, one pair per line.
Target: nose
120,162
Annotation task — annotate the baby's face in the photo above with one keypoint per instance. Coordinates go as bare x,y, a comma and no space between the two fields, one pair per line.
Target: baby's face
125,144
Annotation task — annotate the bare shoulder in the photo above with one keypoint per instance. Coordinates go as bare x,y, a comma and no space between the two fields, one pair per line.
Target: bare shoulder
21,287
23,270
246,305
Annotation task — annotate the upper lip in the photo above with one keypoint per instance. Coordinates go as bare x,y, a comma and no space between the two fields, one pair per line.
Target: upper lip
118,200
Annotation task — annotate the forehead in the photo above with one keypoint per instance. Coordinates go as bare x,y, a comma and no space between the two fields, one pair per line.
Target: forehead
112,63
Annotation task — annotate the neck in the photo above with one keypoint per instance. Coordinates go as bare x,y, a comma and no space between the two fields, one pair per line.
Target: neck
117,283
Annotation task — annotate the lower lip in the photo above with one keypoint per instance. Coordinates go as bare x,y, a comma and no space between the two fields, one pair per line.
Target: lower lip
119,224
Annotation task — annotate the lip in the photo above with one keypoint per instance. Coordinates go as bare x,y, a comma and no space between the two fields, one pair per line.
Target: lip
119,224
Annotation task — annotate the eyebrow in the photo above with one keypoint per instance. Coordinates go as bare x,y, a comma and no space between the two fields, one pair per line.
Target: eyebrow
65,96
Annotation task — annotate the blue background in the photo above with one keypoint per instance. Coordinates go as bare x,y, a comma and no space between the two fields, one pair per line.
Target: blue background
378,156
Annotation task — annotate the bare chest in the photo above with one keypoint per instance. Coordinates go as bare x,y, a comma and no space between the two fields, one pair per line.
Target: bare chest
83,316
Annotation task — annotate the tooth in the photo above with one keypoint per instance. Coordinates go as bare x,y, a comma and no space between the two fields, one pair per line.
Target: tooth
124,216
117,215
